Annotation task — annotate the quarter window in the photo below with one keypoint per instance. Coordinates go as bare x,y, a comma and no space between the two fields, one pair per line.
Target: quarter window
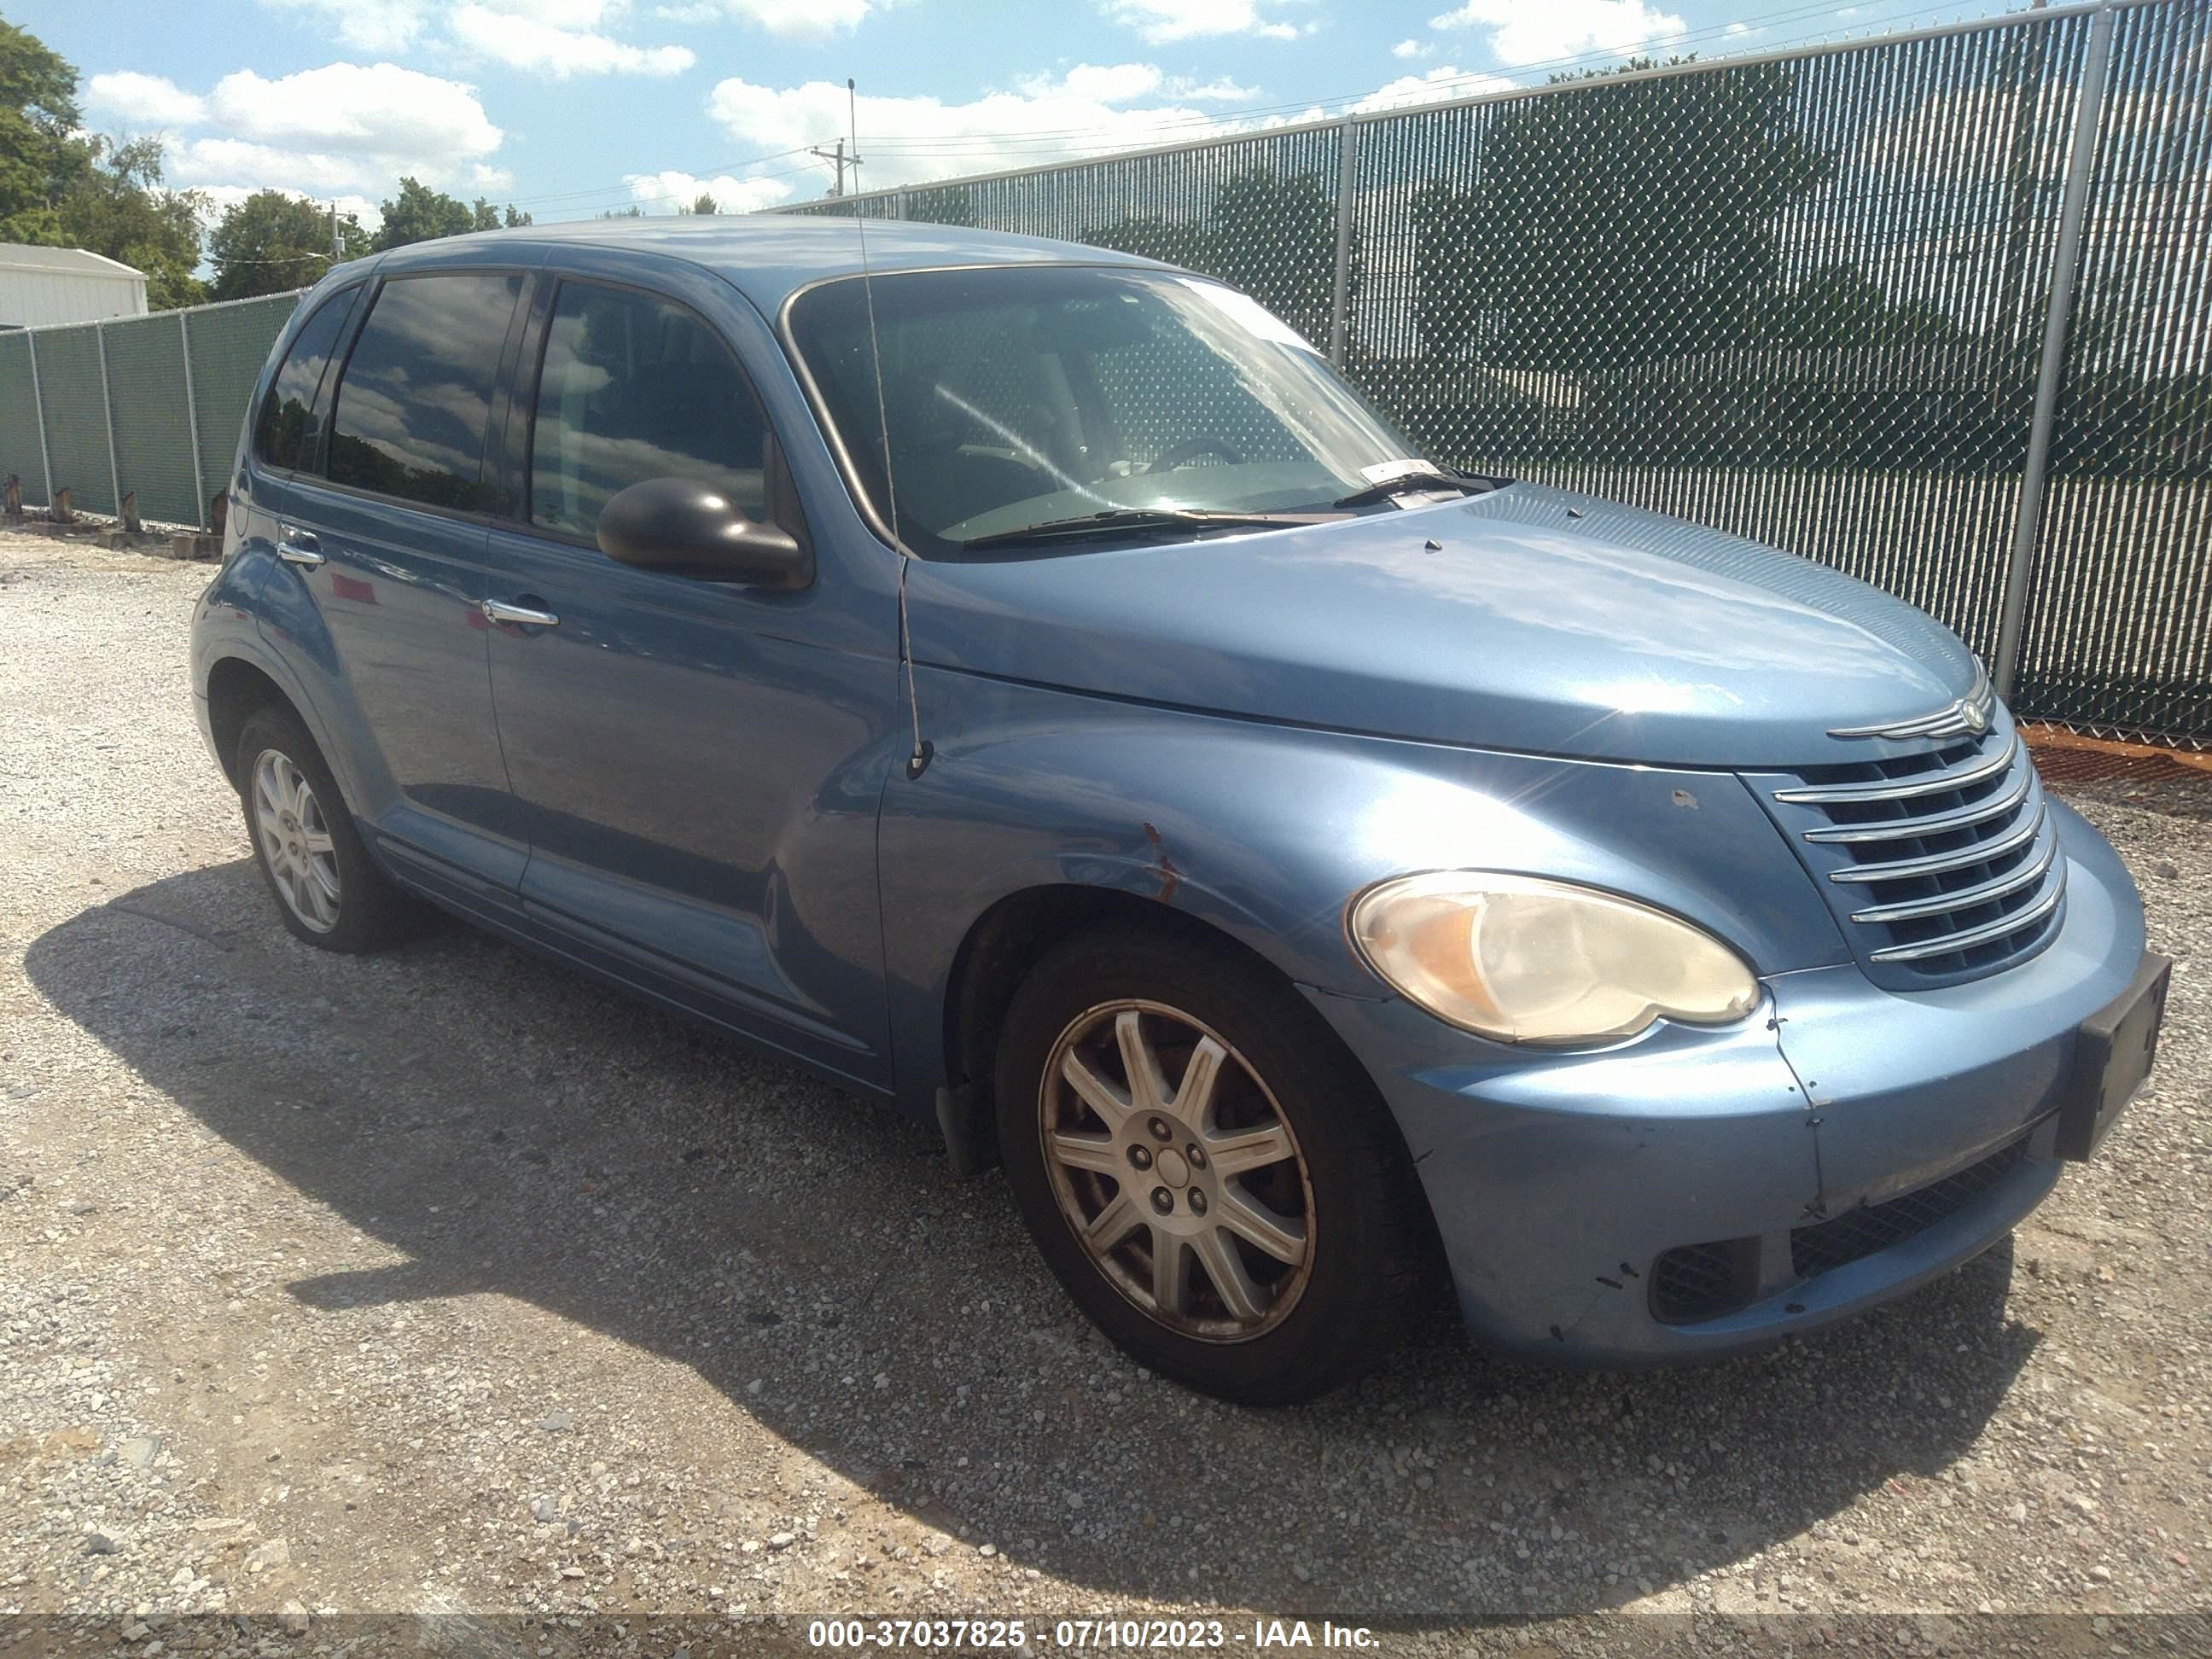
284,435
633,388
415,397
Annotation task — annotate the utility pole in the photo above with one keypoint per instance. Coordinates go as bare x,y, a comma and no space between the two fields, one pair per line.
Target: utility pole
842,160
337,248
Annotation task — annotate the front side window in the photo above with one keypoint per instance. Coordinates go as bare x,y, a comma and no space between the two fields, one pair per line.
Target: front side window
415,397
285,434
1039,394
633,388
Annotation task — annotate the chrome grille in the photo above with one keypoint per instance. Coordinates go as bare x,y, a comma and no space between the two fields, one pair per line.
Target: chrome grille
1941,861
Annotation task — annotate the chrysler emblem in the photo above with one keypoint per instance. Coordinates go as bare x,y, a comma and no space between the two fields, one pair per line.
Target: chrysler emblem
1966,716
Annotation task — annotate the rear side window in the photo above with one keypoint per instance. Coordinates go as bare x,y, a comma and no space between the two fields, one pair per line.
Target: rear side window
416,396
284,435
633,388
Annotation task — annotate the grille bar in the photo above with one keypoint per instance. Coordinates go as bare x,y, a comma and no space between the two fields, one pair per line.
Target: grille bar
1935,823
2026,876
1937,864
1909,788
1947,945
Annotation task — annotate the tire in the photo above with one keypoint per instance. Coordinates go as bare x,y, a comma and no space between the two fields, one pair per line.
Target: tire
328,891
1350,1247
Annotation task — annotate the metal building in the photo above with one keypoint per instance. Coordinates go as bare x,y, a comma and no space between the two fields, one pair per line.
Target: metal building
42,285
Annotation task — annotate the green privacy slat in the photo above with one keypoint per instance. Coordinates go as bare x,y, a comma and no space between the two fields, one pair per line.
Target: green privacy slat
151,417
74,405
19,419
228,345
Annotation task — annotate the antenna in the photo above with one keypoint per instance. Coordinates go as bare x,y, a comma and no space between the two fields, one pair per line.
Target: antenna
918,761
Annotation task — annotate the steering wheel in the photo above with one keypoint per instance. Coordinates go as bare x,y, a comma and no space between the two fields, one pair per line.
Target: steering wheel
1190,449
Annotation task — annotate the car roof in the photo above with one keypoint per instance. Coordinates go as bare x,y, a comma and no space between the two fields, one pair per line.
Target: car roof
768,256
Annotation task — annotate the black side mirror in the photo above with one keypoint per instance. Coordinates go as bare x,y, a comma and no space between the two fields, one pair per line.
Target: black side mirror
692,529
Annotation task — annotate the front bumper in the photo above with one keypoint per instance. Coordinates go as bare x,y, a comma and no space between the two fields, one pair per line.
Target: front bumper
1558,1181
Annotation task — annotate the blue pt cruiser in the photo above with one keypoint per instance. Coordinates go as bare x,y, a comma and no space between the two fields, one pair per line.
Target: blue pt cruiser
1025,682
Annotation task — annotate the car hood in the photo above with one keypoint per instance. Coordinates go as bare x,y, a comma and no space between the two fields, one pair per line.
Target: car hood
1530,618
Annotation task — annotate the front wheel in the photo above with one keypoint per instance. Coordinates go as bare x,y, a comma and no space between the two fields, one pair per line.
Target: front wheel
1213,1180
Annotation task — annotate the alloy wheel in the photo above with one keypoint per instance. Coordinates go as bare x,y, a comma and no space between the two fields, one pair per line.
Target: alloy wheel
1191,1197
295,840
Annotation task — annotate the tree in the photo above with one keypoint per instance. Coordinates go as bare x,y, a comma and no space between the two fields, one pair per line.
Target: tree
114,207
1839,307
420,213
1618,225
60,187
1274,237
633,211
39,156
272,241
705,206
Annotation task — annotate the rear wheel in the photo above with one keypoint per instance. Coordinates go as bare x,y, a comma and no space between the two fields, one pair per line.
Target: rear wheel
1213,1180
328,891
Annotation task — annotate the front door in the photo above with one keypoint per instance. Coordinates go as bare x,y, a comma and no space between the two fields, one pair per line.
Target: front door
699,767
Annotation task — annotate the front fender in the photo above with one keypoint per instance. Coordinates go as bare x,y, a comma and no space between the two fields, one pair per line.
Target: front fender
1267,832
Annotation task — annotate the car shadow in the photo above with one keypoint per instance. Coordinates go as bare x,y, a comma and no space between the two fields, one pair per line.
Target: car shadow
508,1127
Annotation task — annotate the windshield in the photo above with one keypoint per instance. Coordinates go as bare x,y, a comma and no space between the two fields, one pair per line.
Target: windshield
1040,394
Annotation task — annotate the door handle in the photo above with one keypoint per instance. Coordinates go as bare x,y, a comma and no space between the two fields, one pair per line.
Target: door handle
298,546
499,612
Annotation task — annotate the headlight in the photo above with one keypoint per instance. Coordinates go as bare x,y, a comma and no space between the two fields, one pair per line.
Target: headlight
1525,960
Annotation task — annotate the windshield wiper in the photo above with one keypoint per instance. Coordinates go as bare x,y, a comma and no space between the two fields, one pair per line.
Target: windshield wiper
1116,520
1406,484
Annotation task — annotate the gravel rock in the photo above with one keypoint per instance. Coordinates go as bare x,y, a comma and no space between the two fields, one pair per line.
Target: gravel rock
373,1215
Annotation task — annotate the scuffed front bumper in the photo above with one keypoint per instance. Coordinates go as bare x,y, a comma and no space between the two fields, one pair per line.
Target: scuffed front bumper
1559,1180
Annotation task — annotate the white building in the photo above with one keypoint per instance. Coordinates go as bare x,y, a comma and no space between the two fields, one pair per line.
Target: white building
42,285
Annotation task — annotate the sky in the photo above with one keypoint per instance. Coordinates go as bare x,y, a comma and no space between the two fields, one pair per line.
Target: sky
570,107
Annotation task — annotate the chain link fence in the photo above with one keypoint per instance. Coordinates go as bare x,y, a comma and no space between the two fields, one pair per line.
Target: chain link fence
149,407
1933,308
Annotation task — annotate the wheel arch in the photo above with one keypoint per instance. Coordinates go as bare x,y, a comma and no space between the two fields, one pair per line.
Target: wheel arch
236,687
998,952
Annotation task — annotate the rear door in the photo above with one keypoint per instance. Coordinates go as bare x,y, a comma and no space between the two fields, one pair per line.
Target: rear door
391,542
700,763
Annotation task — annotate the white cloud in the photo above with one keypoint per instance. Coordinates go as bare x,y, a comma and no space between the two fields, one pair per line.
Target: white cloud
802,20
376,26
1523,34
1224,91
668,191
344,128
1108,83
1411,49
1440,83
1163,21
143,100
1092,108
533,44
377,111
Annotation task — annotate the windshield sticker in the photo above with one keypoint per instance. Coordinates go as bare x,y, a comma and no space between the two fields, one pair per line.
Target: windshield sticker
1385,470
1249,314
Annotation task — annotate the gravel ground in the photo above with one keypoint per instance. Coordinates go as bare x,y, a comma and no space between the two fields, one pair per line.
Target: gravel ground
444,1281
